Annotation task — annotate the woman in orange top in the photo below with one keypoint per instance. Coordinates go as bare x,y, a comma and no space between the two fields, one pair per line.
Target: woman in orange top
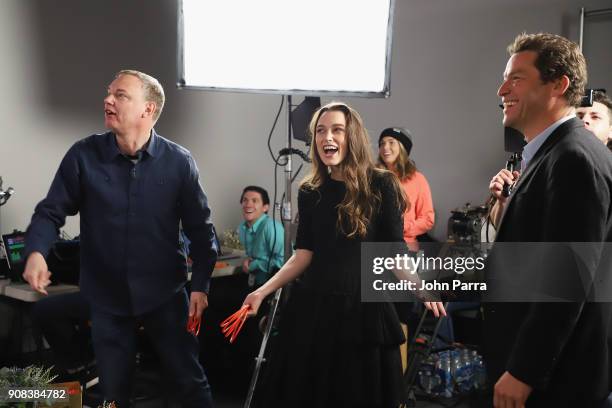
394,146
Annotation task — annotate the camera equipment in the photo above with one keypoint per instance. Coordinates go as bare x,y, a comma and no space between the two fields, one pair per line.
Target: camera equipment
587,99
300,118
5,195
465,224
4,265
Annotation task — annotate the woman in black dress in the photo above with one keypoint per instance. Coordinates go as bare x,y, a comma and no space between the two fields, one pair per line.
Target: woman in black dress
333,350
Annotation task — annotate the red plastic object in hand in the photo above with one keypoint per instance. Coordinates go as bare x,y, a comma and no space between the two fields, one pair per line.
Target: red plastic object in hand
232,325
193,325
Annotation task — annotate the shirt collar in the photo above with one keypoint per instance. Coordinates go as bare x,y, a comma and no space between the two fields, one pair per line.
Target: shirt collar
111,149
256,224
532,147
153,144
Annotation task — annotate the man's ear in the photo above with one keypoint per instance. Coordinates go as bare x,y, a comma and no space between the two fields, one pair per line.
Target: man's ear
561,85
150,109
266,207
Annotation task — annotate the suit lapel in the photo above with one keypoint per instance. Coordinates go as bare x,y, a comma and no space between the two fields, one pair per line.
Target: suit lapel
562,130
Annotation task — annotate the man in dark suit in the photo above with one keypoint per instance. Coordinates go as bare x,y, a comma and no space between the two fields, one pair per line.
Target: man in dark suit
132,188
551,354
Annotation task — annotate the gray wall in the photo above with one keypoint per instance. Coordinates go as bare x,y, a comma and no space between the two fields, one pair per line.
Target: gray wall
448,57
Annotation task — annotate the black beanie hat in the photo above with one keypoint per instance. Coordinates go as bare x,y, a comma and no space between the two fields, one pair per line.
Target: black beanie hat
402,135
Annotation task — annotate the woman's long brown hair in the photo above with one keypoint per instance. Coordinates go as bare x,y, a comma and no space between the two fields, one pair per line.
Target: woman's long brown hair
360,201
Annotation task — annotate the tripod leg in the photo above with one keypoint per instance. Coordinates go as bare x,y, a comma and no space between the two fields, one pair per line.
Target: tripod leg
260,359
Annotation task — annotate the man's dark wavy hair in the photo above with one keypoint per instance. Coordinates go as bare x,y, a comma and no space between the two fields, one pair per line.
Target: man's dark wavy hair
265,198
557,56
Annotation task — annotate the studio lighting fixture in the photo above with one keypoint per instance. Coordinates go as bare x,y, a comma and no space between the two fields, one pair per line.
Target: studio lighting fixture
290,47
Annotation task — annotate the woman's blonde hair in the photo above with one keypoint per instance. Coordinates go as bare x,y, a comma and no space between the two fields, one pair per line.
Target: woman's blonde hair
360,201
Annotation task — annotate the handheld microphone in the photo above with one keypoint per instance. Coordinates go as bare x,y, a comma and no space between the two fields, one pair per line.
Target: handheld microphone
514,141
511,165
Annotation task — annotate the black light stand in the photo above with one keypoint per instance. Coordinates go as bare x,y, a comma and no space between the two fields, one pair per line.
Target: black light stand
286,216
4,197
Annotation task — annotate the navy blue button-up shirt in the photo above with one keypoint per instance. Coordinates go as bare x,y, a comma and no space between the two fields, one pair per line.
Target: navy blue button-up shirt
130,215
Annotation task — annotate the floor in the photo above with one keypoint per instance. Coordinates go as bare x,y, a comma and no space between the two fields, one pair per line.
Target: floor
229,402
224,399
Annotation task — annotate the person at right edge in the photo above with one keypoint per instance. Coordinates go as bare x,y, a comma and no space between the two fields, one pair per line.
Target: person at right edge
598,117
550,354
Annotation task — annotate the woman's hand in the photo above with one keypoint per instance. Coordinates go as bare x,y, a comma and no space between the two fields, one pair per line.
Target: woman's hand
436,307
253,300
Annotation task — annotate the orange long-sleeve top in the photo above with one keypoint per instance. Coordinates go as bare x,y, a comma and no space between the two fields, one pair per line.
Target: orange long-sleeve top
419,218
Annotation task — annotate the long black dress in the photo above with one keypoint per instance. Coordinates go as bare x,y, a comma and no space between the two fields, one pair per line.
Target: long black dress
333,350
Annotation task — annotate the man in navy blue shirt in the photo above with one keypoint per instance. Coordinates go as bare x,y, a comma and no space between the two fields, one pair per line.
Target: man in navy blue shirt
133,188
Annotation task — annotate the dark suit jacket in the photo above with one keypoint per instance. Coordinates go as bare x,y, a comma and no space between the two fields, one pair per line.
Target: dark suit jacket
558,348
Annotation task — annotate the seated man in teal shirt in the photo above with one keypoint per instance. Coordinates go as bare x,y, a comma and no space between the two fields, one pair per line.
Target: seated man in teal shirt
262,237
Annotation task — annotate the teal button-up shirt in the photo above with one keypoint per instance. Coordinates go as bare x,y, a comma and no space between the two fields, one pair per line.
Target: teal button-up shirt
264,243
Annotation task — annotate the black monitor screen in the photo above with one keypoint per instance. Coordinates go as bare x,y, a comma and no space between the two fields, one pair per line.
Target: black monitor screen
15,247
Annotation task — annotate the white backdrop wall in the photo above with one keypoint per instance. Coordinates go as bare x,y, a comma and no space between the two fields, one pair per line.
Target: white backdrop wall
448,58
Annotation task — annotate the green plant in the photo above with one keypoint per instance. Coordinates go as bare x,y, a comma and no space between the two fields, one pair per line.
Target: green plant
230,239
29,377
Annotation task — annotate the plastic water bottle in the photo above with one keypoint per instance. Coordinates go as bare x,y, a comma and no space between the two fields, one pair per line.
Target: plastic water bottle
464,372
479,371
446,376
458,371
429,380
439,388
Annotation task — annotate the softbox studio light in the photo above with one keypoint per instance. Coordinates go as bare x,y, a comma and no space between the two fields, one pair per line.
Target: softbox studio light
290,47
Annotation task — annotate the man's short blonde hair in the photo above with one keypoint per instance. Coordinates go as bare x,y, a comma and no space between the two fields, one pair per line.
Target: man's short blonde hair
153,91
